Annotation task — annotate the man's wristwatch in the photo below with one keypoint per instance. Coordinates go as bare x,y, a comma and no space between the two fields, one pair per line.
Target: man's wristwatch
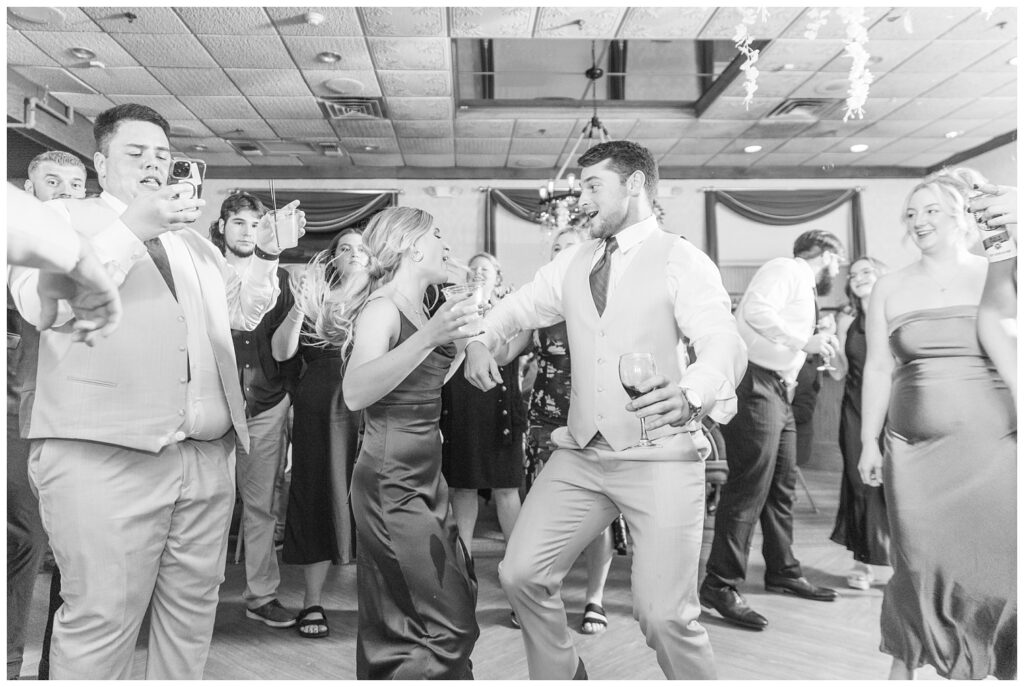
695,402
263,255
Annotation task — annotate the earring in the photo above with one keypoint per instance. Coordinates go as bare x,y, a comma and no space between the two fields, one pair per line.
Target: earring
417,255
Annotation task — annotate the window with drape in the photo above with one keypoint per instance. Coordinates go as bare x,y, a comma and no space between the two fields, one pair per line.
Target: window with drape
784,208
524,203
327,213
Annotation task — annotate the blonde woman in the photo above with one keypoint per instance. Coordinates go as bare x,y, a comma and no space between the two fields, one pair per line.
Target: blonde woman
417,592
949,465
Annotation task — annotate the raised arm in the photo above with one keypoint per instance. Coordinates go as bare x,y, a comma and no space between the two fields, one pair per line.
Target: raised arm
840,363
878,369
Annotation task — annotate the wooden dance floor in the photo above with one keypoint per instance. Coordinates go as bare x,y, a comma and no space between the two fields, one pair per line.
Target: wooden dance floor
805,639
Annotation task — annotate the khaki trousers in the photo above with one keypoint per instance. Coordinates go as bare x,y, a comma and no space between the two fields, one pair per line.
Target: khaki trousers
133,531
576,496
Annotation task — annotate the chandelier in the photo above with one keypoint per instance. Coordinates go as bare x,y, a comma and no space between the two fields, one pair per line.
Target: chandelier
559,199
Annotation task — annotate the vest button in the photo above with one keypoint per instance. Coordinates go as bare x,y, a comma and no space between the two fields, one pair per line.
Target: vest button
505,432
179,436
181,411
181,348
600,333
504,412
600,361
182,380
600,389
181,318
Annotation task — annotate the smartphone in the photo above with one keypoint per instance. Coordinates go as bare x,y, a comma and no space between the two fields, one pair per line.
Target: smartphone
187,171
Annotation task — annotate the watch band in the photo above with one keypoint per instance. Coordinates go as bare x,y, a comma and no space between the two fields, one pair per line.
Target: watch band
263,255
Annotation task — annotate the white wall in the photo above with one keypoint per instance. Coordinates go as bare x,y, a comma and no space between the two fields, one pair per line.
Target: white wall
522,248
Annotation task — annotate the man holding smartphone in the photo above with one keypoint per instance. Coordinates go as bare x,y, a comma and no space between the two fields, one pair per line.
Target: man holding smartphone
135,470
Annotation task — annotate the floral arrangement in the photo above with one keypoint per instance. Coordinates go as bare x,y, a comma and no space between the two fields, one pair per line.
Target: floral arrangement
743,40
860,77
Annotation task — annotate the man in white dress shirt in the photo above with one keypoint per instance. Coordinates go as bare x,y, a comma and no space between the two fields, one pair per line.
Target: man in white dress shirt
777,318
634,288
135,467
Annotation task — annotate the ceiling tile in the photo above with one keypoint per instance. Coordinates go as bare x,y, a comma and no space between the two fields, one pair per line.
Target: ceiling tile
959,144
87,104
225,160
212,146
723,24
911,145
804,55
470,160
777,128
874,109
925,159
987,23
22,51
532,161
242,51
426,146
167,105
712,128
734,108
924,108
828,161
361,127
338,21
781,159
770,83
544,128
147,19
881,159
1007,91
833,26
979,83
325,83
189,128
659,146
992,107
195,82
410,53
907,85
532,146
892,128
240,128
419,108
166,50
220,107
948,55
378,145
997,127
276,161
66,19
121,81
58,44
492,22
415,83
484,128
664,22
354,53
886,55
998,61
873,143
404,21
429,129
692,146
376,160
242,20
595,22
736,147
269,81
434,160
481,146
919,23
820,85
271,107
684,160
808,145
325,161
734,159
302,128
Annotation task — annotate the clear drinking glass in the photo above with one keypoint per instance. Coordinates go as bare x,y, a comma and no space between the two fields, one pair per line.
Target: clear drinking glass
475,289
634,370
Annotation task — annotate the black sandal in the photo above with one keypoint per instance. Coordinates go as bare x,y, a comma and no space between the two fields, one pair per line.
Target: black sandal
593,614
305,622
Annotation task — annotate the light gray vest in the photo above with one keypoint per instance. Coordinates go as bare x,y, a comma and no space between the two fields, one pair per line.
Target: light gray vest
638,318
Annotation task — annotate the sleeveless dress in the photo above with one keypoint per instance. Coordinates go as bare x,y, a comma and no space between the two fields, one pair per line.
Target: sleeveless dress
950,478
417,590
325,435
862,525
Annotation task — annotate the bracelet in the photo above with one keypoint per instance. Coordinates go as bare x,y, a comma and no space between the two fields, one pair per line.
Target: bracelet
263,255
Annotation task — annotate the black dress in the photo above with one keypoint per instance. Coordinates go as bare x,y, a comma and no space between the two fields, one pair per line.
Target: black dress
950,476
483,432
417,591
325,434
862,525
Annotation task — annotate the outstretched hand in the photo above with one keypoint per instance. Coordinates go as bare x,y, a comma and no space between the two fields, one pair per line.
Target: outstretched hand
89,291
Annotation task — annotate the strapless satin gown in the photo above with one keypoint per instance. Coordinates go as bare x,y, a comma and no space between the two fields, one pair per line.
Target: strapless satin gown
950,477
417,591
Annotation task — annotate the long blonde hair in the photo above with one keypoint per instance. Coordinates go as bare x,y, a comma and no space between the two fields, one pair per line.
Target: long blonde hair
333,308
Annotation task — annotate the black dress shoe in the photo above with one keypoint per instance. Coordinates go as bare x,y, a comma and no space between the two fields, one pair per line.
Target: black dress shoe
731,606
800,586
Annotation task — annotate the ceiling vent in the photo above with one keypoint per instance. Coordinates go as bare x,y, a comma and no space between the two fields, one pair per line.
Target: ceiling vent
805,109
352,108
248,148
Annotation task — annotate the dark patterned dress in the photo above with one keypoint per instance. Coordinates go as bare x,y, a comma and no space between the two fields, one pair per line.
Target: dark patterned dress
549,401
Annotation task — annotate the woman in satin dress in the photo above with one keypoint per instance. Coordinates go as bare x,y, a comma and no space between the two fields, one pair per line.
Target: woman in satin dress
417,592
949,466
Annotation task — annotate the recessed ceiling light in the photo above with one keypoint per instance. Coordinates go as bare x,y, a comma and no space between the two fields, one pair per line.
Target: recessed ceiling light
82,53
199,148
953,134
39,15
370,149
752,149
789,66
859,147
1012,61
344,86
328,57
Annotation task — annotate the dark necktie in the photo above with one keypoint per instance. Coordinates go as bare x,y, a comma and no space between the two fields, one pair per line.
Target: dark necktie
159,254
600,274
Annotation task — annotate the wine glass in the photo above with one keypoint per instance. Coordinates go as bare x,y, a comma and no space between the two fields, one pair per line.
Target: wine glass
826,324
634,370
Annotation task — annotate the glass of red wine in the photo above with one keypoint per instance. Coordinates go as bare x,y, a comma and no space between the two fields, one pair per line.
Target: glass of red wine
634,370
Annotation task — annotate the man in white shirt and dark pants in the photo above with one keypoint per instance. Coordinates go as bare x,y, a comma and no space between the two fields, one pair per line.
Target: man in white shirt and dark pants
777,318
634,288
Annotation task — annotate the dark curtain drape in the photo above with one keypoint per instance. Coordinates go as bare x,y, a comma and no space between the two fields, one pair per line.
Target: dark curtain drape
783,208
524,203
327,213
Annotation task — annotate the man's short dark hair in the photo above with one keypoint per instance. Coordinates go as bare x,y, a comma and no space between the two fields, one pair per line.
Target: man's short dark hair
813,243
57,157
107,121
232,205
626,157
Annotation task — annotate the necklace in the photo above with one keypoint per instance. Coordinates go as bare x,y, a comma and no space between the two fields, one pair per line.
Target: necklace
420,318
941,284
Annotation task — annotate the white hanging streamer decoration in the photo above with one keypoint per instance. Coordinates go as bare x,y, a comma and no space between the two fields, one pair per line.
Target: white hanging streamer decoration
818,18
987,10
743,40
860,77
